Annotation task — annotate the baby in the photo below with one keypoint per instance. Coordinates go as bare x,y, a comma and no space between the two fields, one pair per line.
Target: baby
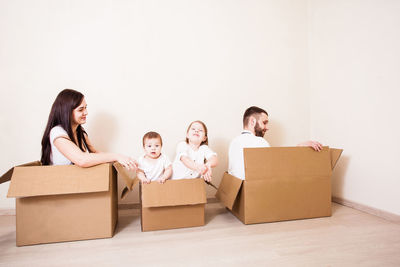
153,165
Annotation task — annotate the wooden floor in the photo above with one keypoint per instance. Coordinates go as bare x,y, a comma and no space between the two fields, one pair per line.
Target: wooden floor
348,238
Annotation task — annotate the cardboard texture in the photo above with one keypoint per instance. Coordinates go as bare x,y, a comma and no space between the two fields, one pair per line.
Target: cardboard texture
282,183
63,203
174,204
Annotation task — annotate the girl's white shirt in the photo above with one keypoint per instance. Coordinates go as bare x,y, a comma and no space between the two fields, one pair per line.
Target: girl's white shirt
179,170
57,158
154,169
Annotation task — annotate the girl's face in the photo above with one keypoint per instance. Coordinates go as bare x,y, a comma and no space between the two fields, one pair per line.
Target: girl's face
196,133
79,113
152,147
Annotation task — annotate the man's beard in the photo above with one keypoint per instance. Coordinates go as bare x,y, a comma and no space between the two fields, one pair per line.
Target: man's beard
259,131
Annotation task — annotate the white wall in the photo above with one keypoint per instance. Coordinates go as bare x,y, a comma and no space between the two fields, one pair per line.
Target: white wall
355,83
151,65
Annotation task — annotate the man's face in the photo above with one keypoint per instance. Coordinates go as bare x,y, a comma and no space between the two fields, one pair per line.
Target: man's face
261,125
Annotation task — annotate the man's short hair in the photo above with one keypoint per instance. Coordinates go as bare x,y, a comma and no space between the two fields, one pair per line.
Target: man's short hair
151,135
250,112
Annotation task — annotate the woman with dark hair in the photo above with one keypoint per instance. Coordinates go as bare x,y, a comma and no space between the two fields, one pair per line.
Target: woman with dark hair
65,141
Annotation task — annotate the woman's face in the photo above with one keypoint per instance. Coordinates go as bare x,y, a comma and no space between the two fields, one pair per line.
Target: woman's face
79,113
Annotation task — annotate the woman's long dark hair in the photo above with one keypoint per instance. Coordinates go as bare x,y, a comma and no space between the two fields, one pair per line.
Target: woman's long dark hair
61,114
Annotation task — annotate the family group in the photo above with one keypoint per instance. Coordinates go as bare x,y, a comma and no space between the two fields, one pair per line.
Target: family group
65,142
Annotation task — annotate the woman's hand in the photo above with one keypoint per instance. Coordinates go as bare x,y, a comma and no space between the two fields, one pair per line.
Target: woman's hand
127,162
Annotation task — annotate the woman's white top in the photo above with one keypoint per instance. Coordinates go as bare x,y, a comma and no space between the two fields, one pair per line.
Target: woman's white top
154,169
56,157
179,170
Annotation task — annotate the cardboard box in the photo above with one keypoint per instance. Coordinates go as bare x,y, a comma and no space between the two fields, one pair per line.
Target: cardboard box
282,183
174,204
63,203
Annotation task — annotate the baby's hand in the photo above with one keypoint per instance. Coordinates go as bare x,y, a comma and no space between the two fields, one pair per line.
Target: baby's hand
142,177
162,180
146,181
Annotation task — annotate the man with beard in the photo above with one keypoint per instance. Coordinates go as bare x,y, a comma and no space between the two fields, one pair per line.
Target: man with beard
255,121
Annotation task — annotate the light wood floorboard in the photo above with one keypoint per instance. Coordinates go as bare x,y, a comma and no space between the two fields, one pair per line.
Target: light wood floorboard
348,238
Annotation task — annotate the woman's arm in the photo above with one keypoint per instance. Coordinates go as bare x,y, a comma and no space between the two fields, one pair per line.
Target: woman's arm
83,159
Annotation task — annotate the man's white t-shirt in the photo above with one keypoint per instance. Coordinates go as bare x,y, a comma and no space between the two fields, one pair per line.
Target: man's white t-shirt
236,159
154,170
179,170
56,157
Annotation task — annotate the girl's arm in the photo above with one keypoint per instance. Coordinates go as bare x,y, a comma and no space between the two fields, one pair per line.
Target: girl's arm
189,163
166,175
212,162
82,159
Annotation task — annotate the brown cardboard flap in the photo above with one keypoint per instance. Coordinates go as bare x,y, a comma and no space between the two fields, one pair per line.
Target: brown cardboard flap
273,162
127,176
174,193
228,190
7,176
335,155
57,180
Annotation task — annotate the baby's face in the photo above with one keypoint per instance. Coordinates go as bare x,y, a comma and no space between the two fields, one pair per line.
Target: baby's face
152,147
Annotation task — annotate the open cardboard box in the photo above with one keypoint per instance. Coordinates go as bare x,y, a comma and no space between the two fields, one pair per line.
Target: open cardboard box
282,183
63,203
174,204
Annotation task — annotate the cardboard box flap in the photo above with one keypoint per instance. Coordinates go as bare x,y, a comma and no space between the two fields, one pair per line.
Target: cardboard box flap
57,180
228,190
7,176
275,162
174,193
129,178
335,155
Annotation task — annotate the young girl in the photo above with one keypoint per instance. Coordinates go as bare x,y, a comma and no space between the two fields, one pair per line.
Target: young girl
153,165
65,141
194,158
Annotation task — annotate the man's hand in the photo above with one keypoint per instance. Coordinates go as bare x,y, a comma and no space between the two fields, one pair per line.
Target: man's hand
313,144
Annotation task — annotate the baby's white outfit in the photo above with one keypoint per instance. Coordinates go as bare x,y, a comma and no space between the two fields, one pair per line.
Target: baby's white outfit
154,170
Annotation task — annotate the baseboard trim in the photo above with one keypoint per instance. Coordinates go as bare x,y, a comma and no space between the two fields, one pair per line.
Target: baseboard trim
367,209
348,203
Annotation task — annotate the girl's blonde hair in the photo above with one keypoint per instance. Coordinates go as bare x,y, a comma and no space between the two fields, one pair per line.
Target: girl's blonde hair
205,142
